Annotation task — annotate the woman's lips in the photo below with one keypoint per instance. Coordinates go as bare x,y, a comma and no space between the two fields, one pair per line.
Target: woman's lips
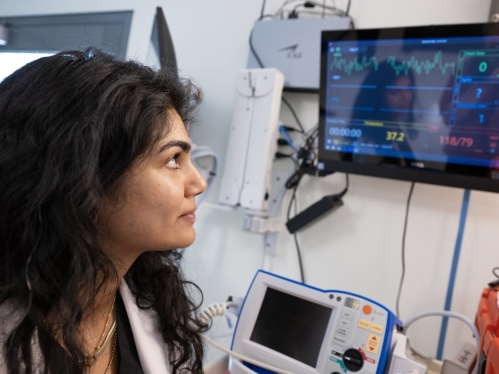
189,217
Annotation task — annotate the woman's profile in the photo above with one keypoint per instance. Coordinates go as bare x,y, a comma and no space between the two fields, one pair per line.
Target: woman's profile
96,194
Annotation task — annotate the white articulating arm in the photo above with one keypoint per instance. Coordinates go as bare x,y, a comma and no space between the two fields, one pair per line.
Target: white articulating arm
251,148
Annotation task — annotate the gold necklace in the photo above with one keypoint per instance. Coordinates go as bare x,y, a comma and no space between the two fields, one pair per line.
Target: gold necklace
112,352
91,358
107,321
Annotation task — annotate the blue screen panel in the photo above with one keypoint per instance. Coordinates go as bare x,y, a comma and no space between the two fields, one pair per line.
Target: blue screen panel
391,98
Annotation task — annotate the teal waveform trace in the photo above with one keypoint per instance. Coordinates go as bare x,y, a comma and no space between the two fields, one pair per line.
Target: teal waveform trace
422,66
354,65
418,66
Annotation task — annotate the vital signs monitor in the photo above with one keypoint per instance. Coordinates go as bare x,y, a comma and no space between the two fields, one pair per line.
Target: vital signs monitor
412,103
306,330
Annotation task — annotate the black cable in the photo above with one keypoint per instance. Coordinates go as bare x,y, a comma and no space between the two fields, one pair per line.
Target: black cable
312,4
495,283
293,113
345,190
300,262
288,215
302,274
403,249
263,8
348,8
312,12
253,50
260,63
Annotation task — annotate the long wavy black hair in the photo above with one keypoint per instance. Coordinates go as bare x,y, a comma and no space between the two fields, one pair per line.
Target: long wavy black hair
71,126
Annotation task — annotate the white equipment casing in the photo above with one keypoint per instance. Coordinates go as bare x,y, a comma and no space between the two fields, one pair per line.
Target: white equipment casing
294,47
252,139
402,360
306,330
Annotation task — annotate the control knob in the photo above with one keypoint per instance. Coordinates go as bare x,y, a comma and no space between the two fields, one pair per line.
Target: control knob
353,360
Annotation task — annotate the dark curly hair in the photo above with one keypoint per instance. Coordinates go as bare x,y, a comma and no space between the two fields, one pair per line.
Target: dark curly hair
71,126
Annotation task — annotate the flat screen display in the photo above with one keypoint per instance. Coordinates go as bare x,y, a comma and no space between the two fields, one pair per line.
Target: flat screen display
292,326
419,103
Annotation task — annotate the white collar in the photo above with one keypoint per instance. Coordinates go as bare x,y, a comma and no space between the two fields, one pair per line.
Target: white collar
150,345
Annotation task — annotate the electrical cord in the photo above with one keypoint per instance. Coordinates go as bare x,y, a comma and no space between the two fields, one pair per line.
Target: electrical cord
263,9
306,159
300,262
495,283
284,132
312,4
348,8
213,310
244,358
403,249
345,190
260,63
285,101
280,12
219,309
445,313
298,13
252,48
288,216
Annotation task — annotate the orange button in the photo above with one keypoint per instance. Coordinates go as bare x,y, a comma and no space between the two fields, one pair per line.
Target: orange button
367,309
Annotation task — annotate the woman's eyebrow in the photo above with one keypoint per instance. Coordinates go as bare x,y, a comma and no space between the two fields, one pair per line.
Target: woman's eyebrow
186,147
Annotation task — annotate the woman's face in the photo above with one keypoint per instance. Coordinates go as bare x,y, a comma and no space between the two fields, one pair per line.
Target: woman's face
157,213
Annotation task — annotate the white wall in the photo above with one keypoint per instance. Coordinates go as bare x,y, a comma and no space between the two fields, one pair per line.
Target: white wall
358,247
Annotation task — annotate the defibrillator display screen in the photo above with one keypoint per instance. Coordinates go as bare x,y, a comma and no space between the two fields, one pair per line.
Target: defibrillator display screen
292,326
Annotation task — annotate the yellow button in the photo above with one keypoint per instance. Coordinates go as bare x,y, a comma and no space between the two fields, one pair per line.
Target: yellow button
373,343
377,328
364,324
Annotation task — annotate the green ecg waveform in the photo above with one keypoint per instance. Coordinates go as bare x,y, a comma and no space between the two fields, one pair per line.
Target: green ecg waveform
340,63
418,66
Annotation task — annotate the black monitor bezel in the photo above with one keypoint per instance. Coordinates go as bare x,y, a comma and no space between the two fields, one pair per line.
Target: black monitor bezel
469,177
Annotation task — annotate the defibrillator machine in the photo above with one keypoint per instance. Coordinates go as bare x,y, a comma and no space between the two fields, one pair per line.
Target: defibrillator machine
306,330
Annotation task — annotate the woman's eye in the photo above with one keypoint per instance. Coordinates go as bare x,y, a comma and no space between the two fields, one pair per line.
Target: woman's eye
172,162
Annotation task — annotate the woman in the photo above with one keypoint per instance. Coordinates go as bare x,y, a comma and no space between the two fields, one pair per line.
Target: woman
97,192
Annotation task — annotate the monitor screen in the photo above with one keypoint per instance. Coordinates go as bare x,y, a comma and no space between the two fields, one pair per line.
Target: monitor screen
419,103
292,326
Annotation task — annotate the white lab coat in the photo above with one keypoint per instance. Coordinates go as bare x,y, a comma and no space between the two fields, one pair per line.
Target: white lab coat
150,346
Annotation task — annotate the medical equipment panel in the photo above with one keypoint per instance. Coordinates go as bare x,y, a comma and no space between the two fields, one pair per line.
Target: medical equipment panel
305,330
